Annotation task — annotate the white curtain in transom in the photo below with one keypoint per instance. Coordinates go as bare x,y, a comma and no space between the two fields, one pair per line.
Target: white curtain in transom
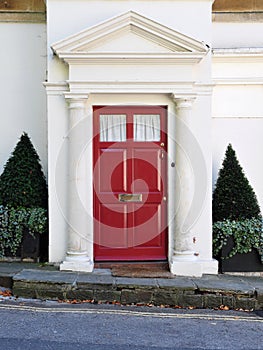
146,127
112,127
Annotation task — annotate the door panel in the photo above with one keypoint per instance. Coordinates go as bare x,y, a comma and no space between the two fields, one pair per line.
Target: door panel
113,236
146,221
112,170
147,170
130,183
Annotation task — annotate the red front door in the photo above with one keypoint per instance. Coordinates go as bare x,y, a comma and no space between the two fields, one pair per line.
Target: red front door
130,183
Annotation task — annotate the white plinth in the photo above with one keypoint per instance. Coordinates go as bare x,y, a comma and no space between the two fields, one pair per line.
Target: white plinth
194,267
80,263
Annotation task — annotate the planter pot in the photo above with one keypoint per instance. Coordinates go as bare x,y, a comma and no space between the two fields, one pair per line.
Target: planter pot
30,246
8,253
246,262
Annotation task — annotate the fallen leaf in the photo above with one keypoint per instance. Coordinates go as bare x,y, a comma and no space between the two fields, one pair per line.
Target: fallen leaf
6,293
223,307
149,305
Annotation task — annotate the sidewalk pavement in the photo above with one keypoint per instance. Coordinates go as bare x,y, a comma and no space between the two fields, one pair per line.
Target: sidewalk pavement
30,280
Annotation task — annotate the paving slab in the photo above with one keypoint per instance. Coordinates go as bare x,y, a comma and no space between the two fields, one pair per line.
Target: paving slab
132,283
94,281
223,284
15,267
35,275
256,282
178,283
102,272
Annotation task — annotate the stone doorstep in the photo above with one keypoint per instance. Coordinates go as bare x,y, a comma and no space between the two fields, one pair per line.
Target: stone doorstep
133,296
227,285
9,268
40,276
133,283
94,281
183,292
179,283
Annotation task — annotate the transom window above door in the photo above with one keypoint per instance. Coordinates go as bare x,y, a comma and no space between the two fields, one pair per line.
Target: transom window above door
146,127
138,127
112,127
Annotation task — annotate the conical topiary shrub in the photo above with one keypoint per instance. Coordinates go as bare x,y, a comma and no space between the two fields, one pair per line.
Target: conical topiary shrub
233,197
22,183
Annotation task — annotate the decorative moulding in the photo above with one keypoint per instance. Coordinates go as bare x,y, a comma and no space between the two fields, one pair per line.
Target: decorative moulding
238,81
149,41
242,55
56,88
182,88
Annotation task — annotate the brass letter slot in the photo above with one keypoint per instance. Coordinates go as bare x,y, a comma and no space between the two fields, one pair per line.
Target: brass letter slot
133,197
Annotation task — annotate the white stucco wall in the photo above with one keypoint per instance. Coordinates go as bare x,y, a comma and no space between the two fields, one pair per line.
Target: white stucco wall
189,17
237,98
245,135
23,99
237,34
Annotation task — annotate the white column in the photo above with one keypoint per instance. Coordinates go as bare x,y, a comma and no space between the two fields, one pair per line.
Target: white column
77,258
183,262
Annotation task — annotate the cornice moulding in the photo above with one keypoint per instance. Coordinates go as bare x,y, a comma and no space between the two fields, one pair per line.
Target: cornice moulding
130,58
181,88
237,117
83,88
69,95
56,88
237,54
239,81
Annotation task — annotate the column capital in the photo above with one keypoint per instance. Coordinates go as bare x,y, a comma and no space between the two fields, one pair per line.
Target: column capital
184,101
76,100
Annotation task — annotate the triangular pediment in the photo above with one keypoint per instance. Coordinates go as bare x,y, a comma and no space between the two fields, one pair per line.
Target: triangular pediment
129,35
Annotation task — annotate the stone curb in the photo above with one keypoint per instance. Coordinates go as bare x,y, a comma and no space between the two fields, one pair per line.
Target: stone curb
210,291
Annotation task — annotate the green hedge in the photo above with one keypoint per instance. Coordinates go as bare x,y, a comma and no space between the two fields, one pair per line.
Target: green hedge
14,222
246,234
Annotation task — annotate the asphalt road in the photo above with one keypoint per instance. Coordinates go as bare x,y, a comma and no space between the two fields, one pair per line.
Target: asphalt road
50,325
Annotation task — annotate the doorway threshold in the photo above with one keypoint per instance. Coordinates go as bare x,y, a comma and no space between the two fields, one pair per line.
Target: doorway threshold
137,269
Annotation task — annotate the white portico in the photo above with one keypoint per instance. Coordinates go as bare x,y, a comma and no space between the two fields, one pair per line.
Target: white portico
130,60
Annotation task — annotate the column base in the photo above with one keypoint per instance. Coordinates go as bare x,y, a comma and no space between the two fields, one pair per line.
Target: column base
185,255
77,262
192,268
